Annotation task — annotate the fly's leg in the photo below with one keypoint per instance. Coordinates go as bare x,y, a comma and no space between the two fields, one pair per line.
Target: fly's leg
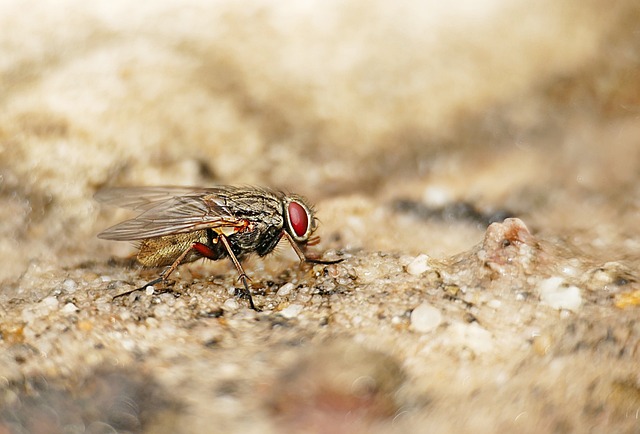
243,276
164,275
207,252
304,258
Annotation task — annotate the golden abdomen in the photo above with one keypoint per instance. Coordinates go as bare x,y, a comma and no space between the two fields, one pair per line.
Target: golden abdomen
161,251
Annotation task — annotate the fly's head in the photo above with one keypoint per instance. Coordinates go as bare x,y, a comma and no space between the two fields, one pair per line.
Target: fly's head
299,218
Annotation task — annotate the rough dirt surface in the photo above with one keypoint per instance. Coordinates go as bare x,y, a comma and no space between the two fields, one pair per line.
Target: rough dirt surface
476,165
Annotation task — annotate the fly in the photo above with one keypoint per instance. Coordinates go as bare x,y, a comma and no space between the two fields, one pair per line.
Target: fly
178,225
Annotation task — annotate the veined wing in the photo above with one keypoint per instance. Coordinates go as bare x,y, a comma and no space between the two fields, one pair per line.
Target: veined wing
168,211
143,198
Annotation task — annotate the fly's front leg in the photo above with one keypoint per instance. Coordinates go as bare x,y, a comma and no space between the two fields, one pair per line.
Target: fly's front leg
304,258
164,275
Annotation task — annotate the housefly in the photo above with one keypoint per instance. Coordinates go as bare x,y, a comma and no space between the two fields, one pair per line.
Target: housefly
177,225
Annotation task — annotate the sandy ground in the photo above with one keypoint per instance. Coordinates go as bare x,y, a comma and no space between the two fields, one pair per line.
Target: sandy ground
476,166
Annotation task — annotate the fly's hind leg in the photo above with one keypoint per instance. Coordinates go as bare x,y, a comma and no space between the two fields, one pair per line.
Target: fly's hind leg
165,274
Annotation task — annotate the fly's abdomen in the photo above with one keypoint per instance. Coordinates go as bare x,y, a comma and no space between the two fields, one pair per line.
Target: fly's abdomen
162,251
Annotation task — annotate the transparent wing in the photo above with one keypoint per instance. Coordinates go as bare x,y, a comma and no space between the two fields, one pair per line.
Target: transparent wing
168,210
142,198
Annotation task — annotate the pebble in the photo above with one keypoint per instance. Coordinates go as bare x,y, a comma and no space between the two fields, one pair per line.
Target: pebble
292,311
162,310
230,304
473,337
44,307
104,306
50,302
570,271
425,318
437,195
285,289
69,308
419,265
554,293
69,285
494,304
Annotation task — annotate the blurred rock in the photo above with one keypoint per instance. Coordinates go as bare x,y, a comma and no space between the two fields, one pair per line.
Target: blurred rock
105,401
338,387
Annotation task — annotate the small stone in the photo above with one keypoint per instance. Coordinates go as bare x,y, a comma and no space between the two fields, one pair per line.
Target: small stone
69,285
627,299
436,195
292,311
472,337
285,289
210,337
425,318
419,265
542,344
230,304
554,293
161,311
570,271
494,304
85,325
69,308
50,302
104,307
128,344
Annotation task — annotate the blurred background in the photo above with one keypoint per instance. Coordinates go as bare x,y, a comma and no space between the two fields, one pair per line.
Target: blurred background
528,108
412,125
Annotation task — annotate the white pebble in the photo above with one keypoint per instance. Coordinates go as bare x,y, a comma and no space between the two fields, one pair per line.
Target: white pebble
128,344
161,311
555,294
292,311
472,336
28,314
149,290
70,285
285,289
494,304
570,271
104,307
436,195
69,308
425,318
230,304
50,302
419,265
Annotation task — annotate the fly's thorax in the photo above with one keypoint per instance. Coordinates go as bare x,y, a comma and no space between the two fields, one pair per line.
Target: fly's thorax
259,206
163,251
299,218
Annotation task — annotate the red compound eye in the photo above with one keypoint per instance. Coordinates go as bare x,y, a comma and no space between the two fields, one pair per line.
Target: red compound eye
298,218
